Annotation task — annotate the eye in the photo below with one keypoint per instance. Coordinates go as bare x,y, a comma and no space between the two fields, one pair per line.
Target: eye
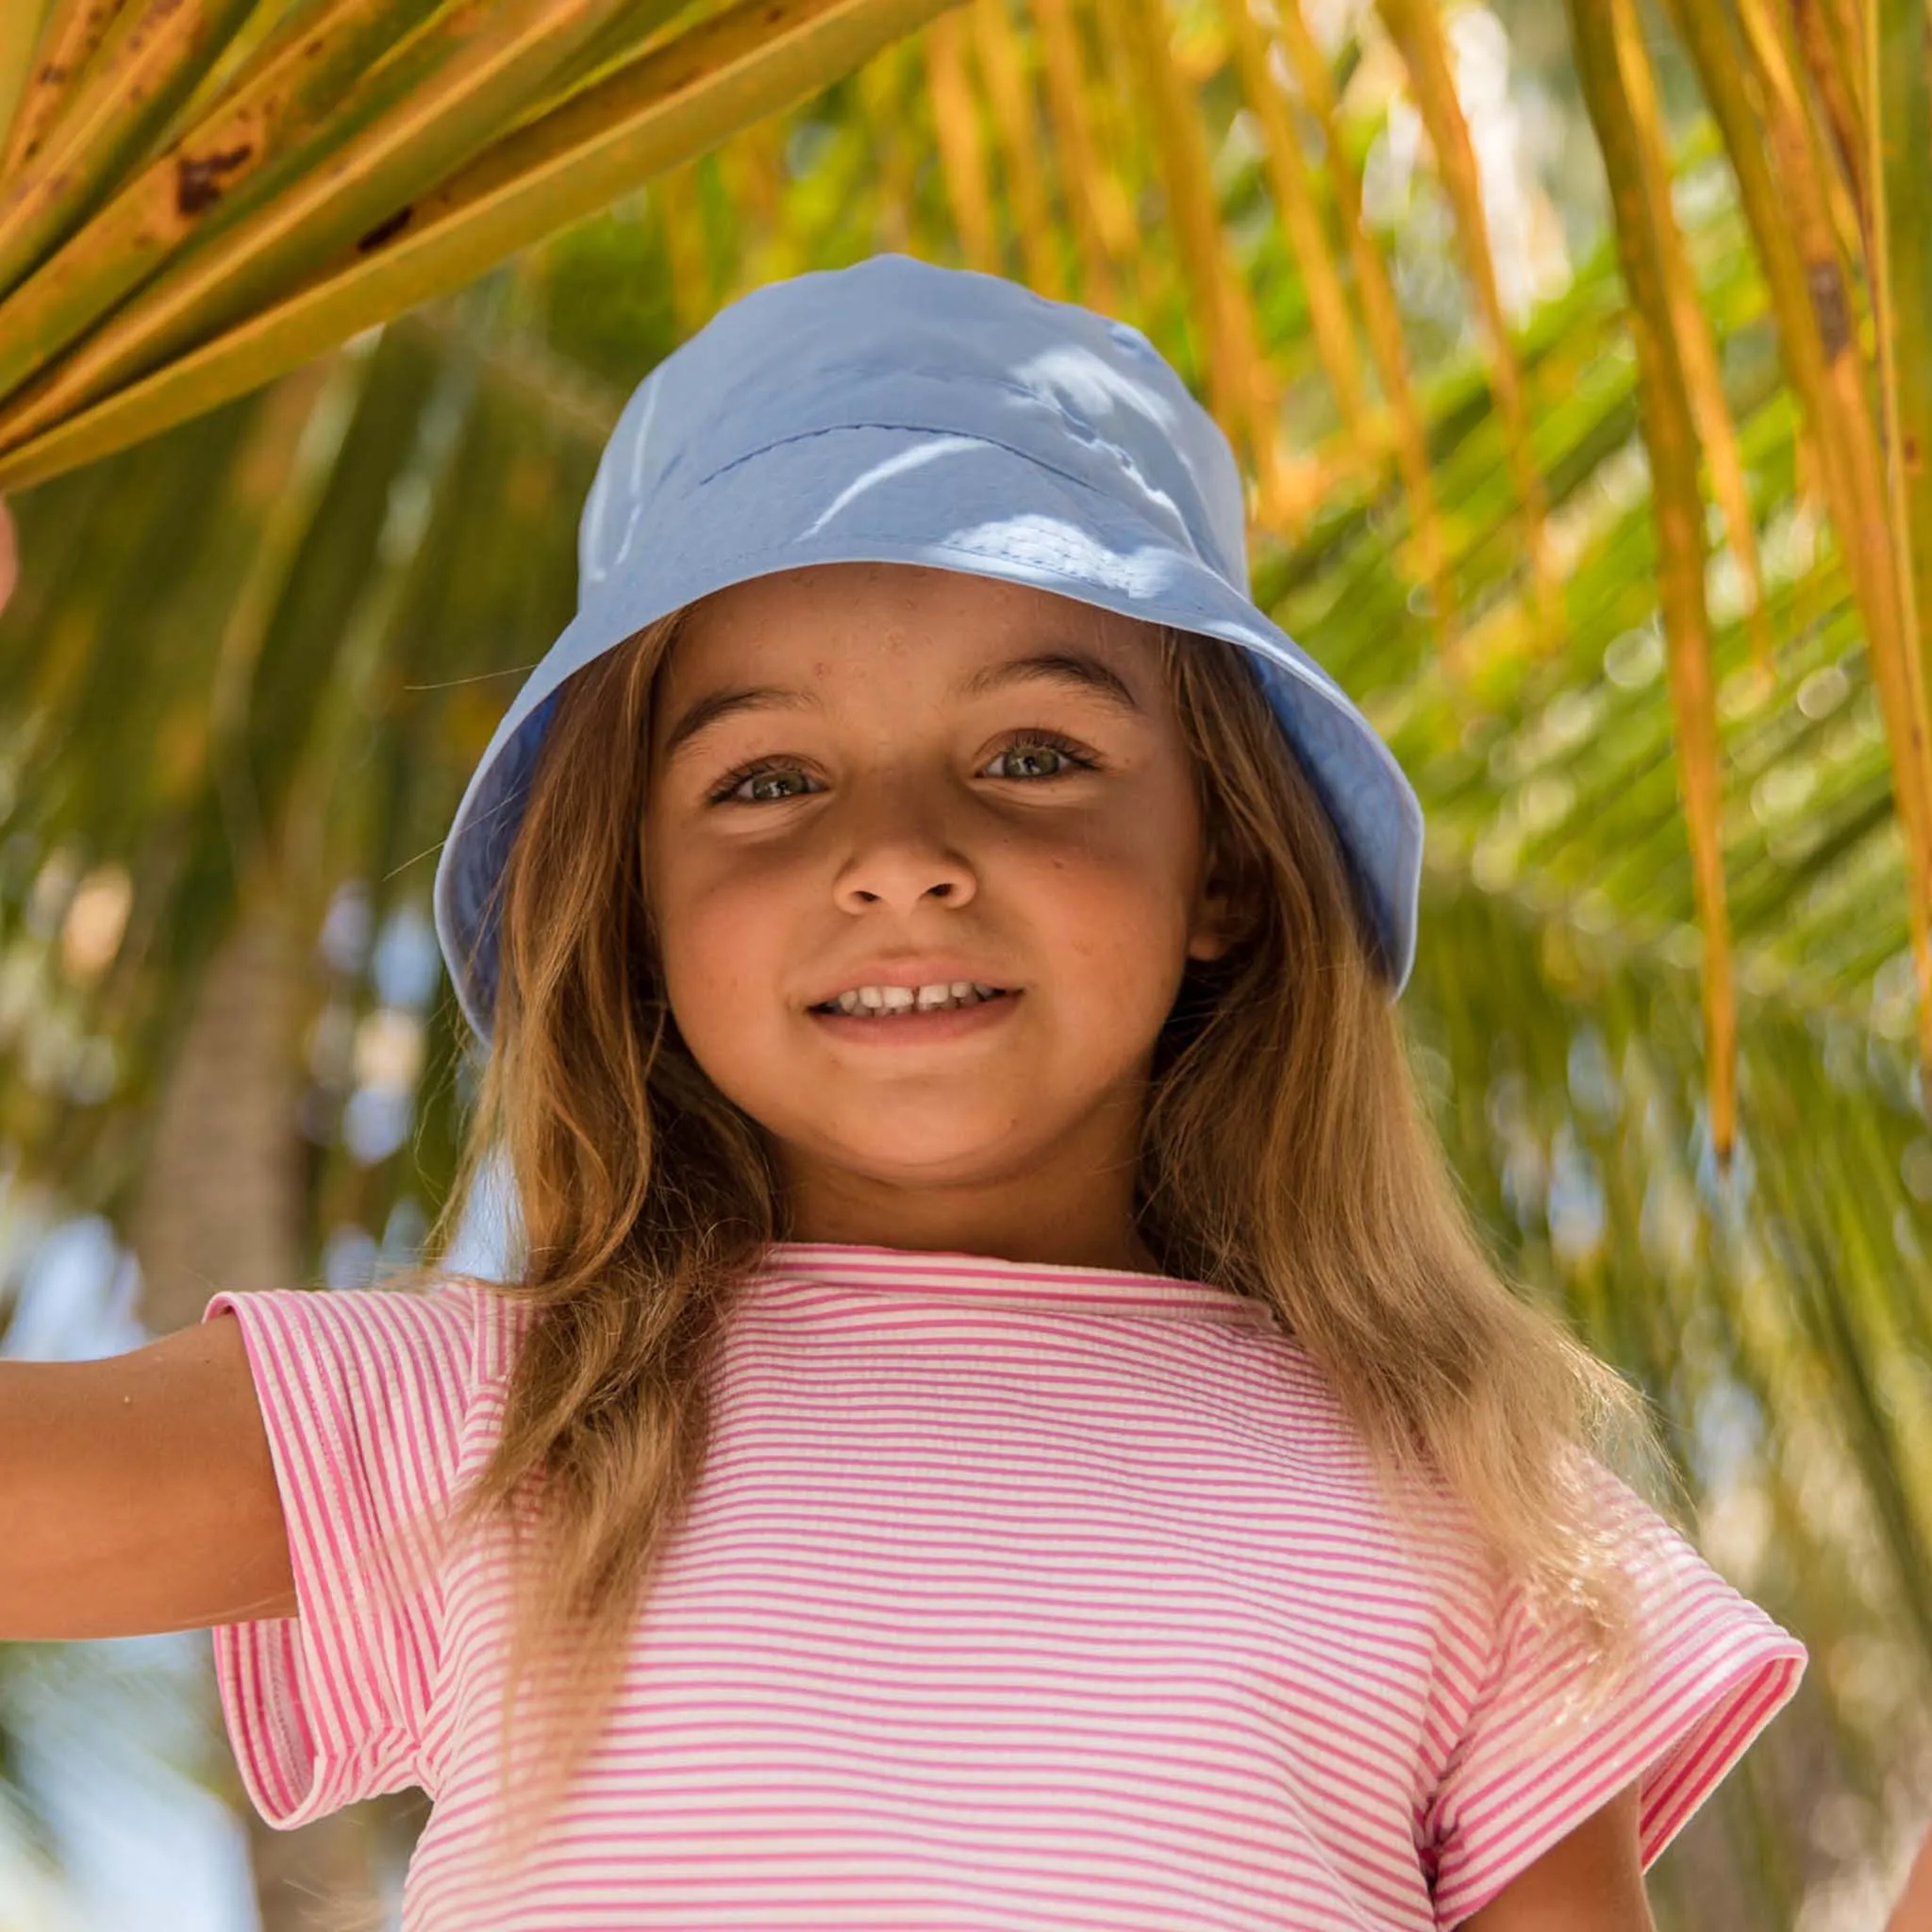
1030,756
1038,755
763,783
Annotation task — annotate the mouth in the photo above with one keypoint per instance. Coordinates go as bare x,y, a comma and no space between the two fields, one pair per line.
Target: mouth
890,1004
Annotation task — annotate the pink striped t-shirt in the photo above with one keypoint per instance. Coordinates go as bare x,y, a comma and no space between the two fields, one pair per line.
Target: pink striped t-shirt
1011,1596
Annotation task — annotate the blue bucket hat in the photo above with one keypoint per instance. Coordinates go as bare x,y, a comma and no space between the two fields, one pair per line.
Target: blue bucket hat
896,412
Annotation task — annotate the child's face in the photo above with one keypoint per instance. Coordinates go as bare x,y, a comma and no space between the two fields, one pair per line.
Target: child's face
878,777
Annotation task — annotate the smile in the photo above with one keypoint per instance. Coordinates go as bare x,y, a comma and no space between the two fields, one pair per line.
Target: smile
894,1001
916,1018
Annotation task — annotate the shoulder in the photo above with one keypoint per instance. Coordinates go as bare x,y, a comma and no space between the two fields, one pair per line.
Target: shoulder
440,1307
434,1343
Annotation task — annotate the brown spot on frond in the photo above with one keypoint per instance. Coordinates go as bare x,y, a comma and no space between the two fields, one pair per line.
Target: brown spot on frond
199,183
383,230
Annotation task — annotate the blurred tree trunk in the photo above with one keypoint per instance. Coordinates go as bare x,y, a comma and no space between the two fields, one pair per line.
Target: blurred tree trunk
219,1208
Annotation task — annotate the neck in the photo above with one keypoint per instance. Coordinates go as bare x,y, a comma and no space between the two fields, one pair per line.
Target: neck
1061,1214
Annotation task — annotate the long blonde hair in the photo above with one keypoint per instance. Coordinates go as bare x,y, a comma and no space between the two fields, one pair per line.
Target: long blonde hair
1286,1155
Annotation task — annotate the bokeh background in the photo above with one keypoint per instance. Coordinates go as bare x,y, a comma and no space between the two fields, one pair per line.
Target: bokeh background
1549,466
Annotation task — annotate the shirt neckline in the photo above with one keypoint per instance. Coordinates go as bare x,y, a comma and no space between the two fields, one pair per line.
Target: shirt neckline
992,1278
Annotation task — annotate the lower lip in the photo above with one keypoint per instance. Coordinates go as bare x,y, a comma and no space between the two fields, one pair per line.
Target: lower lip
916,1028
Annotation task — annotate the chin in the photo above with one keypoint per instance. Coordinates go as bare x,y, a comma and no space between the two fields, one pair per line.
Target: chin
928,1146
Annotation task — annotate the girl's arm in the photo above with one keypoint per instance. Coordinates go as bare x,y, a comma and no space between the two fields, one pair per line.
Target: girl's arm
1913,1911
136,1493
1590,1881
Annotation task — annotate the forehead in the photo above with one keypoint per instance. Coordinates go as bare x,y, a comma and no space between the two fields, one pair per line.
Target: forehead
811,623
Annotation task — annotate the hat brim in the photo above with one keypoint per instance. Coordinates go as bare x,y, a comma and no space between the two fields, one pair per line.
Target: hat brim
899,493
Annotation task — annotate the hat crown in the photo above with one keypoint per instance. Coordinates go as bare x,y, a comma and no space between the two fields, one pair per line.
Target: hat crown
896,342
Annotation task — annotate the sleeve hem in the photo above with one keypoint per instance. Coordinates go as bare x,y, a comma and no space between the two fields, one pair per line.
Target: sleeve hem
1715,1728
307,1706
259,1669
1749,1697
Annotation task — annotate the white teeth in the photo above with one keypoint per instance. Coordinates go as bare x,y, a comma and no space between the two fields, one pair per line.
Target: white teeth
870,1002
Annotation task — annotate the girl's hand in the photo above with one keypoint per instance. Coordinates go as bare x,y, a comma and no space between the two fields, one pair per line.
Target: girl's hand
137,1492
1591,1881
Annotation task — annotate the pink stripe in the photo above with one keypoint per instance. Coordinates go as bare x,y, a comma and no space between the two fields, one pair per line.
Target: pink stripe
999,1604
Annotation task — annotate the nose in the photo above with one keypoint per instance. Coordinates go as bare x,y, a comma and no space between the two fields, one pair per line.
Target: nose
898,858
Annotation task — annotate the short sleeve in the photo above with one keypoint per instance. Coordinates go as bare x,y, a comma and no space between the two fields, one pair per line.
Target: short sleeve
1711,1670
363,1394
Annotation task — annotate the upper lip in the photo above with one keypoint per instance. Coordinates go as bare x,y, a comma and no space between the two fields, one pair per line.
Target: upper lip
905,972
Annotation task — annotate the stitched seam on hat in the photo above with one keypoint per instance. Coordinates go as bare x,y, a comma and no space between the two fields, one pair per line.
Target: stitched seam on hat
952,376
1078,426
964,435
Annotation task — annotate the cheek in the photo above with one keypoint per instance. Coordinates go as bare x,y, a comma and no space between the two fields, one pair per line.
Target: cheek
1113,913
720,938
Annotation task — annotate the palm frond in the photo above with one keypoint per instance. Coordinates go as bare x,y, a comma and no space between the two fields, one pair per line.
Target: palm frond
398,193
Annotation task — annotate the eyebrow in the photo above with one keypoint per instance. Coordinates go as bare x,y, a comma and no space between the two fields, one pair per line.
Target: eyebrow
1073,669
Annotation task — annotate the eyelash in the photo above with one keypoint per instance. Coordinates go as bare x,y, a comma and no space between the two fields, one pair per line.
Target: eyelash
1050,741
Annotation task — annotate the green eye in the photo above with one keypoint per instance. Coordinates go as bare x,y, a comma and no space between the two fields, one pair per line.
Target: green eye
1038,755
1032,762
764,785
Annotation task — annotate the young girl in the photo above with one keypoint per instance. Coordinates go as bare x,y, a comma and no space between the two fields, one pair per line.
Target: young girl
995,1416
